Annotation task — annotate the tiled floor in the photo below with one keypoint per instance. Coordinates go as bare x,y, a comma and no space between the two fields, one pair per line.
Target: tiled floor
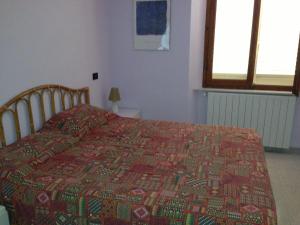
284,170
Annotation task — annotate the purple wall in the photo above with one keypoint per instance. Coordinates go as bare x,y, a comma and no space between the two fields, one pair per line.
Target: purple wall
162,84
296,130
54,41
66,41
155,82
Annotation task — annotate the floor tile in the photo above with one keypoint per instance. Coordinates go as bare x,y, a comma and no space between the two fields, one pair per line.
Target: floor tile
284,171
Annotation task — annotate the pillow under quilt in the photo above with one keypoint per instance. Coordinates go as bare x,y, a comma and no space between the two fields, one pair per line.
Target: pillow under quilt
36,148
78,120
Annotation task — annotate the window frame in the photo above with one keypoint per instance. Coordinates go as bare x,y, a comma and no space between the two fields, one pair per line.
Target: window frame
248,84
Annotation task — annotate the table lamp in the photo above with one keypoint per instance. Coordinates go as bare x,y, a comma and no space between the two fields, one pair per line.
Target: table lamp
114,97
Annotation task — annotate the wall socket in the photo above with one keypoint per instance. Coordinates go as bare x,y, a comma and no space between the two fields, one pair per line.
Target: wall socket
95,76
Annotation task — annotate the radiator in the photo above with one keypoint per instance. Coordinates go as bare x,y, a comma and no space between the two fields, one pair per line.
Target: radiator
270,115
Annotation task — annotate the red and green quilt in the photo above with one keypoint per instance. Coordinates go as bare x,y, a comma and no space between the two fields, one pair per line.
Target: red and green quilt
138,172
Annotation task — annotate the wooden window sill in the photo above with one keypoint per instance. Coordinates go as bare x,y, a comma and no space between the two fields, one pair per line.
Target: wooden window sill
260,79
244,91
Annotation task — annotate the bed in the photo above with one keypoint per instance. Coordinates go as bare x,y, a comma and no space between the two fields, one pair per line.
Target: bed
87,166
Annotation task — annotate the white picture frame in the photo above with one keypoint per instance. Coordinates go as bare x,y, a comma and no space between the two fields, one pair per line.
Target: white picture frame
152,20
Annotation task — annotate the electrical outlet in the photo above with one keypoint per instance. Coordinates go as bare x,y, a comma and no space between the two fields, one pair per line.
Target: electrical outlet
95,76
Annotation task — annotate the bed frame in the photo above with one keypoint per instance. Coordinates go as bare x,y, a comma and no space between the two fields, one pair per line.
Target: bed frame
64,93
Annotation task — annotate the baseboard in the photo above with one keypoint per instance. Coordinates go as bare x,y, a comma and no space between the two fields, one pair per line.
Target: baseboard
283,150
277,150
295,150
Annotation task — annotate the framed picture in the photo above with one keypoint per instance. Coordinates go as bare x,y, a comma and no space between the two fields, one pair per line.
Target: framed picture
152,24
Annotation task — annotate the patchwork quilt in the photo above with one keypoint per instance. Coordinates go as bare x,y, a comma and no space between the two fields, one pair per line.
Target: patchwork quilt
138,172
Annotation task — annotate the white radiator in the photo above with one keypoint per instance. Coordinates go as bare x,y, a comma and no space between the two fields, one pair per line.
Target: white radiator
270,115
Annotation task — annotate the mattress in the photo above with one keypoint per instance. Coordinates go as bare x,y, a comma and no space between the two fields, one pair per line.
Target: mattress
138,172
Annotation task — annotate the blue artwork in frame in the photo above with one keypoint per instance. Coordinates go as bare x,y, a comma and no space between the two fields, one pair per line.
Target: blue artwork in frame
152,24
151,17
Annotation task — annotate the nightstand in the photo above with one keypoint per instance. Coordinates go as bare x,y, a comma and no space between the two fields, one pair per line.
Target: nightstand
129,113
3,216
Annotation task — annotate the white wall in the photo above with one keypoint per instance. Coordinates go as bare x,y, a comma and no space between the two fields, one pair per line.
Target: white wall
54,41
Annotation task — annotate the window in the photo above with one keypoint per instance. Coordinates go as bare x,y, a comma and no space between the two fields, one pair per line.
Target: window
252,44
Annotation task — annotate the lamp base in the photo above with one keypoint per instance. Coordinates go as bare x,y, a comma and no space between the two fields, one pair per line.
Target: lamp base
115,107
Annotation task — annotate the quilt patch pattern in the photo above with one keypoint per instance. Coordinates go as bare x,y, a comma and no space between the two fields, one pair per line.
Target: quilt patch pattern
138,172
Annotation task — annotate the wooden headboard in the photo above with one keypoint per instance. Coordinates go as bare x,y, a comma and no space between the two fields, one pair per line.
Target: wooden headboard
52,90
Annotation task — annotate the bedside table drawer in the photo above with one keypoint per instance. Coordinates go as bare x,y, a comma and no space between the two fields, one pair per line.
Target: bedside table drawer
3,216
129,113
